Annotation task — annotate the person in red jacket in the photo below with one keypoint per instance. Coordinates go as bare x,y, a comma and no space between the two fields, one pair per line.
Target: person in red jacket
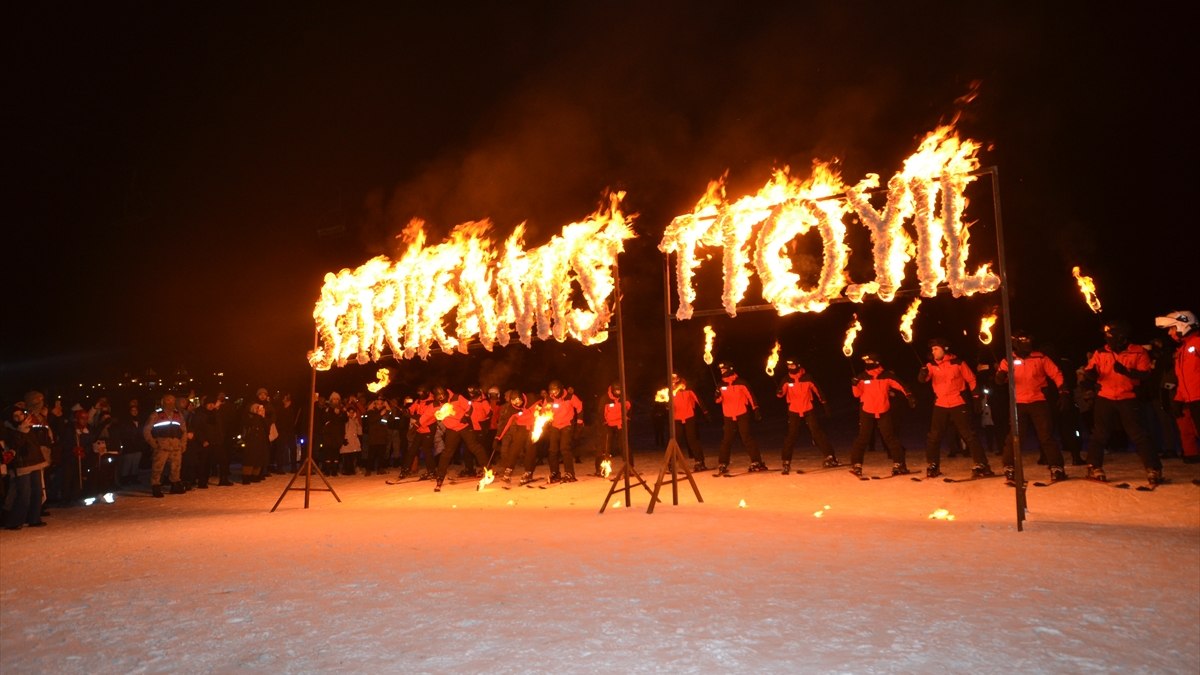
1182,327
517,420
566,408
686,403
422,419
481,417
454,412
1032,373
950,377
613,438
873,387
802,395
1116,371
737,405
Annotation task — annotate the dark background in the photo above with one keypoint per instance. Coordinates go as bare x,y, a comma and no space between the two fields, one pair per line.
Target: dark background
182,175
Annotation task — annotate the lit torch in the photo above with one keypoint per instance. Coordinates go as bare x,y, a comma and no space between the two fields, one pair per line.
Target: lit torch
541,416
1088,288
709,336
985,328
383,377
606,468
662,395
443,412
488,477
851,334
906,321
773,359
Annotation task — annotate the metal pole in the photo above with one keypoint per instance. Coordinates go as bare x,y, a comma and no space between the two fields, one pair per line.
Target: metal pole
1014,429
621,377
312,413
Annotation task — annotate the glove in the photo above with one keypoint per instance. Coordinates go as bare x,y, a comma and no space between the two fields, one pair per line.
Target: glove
757,415
977,404
912,401
855,380
9,456
1064,400
1001,376
1176,408
345,442
1119,367
825,408
923,374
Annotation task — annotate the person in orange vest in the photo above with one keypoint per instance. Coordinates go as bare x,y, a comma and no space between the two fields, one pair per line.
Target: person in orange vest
686,403
1115,372
565,408
737,405
1033,371
613,438
801,395
1182,327
454,412
872,387
949,377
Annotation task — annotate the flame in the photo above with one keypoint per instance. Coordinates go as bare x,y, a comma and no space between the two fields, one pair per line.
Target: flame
742,504
541,415
709,336
821,513
906,321
985,327
405,305
773,359
606,468
381,381
488,477
941,514
616,504
443,412
784,208
662,395
851,334
1088,288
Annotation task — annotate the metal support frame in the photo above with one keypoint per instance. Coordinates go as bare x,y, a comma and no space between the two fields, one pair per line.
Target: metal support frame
308,467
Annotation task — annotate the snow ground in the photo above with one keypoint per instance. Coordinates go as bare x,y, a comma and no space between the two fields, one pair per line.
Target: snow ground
400,579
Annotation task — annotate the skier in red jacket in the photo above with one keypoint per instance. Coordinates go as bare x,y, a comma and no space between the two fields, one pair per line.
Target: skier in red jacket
950,377
1182,327
872,388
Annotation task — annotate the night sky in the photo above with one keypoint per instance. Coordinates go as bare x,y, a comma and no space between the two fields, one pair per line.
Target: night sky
182,175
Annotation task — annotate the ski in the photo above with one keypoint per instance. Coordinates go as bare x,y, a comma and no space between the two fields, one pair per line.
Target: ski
402,481
742,473
1056,482
910,476
971,479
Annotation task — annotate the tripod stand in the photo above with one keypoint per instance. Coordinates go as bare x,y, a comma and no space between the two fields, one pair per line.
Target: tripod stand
309,467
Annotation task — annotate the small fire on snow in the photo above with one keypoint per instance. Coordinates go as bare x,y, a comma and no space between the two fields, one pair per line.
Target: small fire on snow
742,504
941,514
821,513
606,468
616,504
488,477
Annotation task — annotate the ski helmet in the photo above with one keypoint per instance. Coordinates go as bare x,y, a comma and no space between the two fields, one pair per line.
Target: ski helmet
1116,335
554,388
871,360
1022,343
1182,321
726,369
793,366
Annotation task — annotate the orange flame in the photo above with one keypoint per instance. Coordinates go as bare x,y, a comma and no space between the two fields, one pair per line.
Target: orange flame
773,359
785,208
709,336
383,377
985,328
851,334
941,514
662,395
405,305
1088,288
606,468
443,412
488,477
542,414
906,321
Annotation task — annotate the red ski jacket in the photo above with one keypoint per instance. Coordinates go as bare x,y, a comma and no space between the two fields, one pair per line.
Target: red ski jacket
1187,368
799,392
1113,385
686,403
735,398
948,378
612,410
565,410
1030,375
872,391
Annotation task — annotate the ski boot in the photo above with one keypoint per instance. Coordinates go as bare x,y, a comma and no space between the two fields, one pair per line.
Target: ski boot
527,478
722,469
555,477
982,471
699,466
1010,478
569,478
465,473
932,471
830,462
506,476
757,466
900,469
856,469
1057,474
177,488
787,468
1096,473
156,491
438,486
1154,477
425,475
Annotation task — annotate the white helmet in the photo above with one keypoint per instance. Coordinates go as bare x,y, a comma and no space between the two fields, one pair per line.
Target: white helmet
1182,321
